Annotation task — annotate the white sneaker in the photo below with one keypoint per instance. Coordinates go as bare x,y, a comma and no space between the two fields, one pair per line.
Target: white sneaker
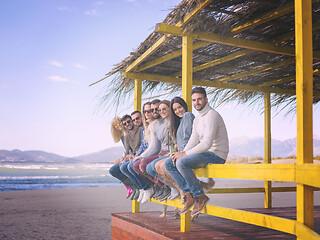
141,194
174,194
146,195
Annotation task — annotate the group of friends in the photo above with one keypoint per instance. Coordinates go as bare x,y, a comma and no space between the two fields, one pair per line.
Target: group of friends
163,145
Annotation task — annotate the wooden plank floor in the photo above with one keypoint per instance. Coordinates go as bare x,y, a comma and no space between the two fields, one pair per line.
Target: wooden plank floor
148,225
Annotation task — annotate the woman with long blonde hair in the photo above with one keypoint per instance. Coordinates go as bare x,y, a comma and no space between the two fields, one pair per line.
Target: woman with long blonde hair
118,133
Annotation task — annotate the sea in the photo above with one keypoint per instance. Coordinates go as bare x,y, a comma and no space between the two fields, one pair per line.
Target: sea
31,176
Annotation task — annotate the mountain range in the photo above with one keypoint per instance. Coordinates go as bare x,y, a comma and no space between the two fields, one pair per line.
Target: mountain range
239,148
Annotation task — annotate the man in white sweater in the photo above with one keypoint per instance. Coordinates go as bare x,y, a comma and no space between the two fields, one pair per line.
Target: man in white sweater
208,144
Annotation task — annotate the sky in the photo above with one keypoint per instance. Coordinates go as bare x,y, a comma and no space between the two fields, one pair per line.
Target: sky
52,50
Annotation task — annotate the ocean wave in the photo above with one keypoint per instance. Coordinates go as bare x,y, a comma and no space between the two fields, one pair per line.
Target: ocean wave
47,177
96,166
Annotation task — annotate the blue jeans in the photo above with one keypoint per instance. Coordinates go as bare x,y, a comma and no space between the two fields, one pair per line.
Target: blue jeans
183,175
141,181
151,167
116,172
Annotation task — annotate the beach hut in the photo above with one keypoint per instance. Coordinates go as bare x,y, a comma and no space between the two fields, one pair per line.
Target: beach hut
241,50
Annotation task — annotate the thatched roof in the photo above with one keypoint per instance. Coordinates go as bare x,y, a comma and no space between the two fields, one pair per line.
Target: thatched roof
259,21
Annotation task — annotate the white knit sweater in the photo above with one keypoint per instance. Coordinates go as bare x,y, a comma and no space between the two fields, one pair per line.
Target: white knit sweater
209,133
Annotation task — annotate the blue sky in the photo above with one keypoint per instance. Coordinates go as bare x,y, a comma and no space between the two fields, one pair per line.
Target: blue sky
52,50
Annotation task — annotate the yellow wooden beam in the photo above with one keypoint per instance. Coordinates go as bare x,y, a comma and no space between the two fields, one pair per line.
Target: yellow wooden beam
256,70
304,85
187,62
303,232
263,220
308,174
230,41
185,222
137,94
250,190
135,206
162,78
157,44
270,172
169,56
217,61
278,81
267,148
285,9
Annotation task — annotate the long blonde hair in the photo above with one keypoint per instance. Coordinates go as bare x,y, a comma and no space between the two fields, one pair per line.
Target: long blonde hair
117,134
146,123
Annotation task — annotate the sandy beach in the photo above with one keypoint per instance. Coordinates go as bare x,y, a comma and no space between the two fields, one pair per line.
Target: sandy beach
86,213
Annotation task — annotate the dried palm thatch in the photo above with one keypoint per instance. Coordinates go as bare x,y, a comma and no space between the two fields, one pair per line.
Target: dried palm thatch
251,67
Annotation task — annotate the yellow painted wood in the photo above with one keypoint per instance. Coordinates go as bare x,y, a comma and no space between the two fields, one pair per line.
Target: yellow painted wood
257,70
137,94
304,89
270,172
278,12
303,232
169,56
308,174
279,81
267,148
272,222
217,61
230,41
185,222
249,190
187,49
158,44
135,206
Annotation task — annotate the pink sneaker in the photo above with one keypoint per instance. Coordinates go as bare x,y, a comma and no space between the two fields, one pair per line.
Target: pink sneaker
129,192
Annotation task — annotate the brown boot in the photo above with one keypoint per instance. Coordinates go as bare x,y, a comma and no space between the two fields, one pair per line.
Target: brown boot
201,202
188,203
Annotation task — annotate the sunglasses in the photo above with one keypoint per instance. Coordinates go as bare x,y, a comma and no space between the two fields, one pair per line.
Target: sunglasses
126,122
146,111
154,110
117,125
133,120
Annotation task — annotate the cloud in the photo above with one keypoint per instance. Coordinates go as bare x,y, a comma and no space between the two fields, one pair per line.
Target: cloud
99,3
92,12
58,79
78,65
63,8
55,63
130,0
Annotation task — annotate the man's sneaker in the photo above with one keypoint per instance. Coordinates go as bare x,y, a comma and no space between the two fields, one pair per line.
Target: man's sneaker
188,203
158,193
135,194
208,186
201,202
146,195
141,193
166,193
174,194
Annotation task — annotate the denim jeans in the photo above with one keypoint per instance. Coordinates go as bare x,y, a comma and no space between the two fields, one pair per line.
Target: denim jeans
183,175
141,181
151,167
116,172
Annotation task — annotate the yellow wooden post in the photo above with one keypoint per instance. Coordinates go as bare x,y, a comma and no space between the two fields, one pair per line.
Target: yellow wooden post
187,48
137,94
185,222
304,90
135,206
267,148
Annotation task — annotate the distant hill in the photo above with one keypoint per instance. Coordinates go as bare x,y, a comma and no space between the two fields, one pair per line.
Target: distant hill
254,147
108,155
17,156
33,157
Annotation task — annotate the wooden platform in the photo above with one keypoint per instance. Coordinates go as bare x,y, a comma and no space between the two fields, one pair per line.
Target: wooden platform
148,225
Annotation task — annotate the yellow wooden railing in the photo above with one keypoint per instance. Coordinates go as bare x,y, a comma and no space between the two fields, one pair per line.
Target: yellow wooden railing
306,174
